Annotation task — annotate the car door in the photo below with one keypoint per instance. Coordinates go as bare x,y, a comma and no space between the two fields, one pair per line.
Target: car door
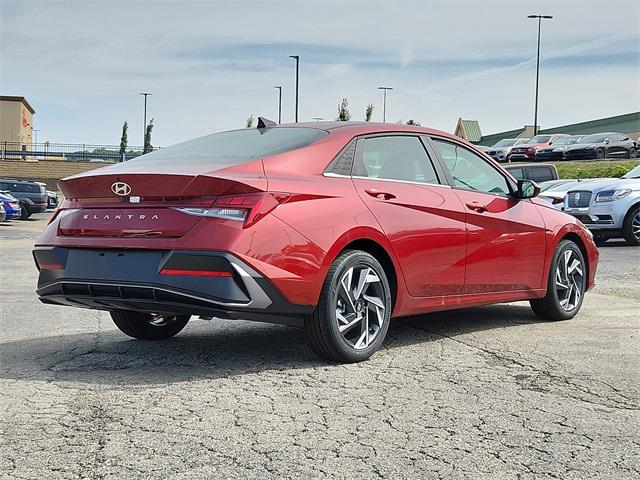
617,145
505,235
421,215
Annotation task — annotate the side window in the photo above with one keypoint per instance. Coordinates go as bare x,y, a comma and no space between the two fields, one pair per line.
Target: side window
541,174
470,171
395,158
517,173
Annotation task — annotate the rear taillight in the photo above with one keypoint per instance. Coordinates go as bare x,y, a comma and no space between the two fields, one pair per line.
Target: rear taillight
247,208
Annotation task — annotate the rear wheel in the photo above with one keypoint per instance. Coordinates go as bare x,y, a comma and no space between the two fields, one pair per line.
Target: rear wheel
566,285
633,153
631,227
24,211
149,326
352,316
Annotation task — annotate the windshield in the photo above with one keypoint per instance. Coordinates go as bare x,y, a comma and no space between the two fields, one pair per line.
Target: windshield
507,142
565,141
635,173
216,149
595,138
540,139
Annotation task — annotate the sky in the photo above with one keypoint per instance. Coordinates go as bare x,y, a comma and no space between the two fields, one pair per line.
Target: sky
209,65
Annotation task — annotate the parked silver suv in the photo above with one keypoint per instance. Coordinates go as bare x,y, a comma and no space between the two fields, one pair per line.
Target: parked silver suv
609,207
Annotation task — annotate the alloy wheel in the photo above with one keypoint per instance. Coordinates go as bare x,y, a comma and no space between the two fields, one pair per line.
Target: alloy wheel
161,320
360,306
569,280
635,226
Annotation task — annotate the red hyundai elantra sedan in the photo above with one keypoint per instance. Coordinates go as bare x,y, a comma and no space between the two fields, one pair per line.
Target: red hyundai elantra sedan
334,227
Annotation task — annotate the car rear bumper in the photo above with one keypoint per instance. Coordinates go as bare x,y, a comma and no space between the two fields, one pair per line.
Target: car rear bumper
208,284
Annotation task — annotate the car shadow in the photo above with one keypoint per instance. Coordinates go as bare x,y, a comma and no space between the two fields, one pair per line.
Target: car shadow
225,349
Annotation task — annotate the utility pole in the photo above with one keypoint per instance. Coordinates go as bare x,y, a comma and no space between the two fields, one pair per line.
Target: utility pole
144,127
297,59
384,103
535,115
279,87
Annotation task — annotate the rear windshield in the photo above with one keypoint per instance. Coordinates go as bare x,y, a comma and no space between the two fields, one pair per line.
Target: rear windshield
507,142
21,187
540,139
218,148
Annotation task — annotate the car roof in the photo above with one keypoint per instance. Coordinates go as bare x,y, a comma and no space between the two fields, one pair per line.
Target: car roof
359,128
518,165
2,179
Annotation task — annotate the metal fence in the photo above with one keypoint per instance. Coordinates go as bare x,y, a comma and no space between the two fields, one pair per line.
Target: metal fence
67,151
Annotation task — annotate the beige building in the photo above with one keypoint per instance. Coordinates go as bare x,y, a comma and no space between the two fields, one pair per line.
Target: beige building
16,120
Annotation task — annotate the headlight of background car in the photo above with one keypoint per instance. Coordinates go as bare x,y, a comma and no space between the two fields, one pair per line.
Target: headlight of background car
611,195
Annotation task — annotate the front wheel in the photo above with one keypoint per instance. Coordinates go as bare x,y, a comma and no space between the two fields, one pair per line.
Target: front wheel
149,326
352,316
566,285
600,153
631,227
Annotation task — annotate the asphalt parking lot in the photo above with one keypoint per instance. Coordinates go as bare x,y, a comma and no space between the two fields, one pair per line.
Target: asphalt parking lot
485,393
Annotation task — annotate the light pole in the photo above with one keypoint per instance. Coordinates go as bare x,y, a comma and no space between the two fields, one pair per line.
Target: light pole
144,127
35,130
279,103
384,102
297,59
535,115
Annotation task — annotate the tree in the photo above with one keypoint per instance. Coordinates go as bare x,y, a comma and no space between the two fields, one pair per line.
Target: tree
250,121
123,140
369,112
147,138
413,122
343,111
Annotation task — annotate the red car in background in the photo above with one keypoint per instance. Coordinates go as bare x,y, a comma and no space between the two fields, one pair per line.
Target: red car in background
527,151
333,227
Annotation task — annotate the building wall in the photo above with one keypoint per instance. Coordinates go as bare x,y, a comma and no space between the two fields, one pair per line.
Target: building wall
47,171
16,122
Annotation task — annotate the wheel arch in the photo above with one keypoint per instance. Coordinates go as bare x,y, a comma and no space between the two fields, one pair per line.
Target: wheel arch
376,244
635,204
575,238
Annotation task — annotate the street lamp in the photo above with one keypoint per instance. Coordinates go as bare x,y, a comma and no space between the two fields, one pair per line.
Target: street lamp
144,127
384,102
535,115
35,130
279,103
297,59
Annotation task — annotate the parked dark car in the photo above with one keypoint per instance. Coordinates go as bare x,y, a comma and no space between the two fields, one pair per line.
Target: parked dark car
538,172
556,151
602,145
32,195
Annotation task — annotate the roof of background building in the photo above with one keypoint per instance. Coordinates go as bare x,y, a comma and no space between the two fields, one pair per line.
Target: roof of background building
626,123
23,100
470,130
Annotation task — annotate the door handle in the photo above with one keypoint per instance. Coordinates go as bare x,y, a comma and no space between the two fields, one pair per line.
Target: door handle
380,195
477,206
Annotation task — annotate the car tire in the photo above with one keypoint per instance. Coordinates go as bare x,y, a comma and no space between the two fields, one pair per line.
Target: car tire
353,313
600,153
566,284
600,241
633,153
145,326
631,226
24,212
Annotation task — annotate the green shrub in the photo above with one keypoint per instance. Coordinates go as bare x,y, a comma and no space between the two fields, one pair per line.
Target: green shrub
595,169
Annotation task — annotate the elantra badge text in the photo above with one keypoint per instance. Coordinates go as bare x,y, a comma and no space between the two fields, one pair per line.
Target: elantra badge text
120,188
119,216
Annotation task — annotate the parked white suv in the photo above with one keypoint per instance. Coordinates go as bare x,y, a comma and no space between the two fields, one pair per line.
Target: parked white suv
609,207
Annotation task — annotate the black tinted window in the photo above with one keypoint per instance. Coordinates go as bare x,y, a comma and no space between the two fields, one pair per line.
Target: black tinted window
541,174
227,148
396,158
470,171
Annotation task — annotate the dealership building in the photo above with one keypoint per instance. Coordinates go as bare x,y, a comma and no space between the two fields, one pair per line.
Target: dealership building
628,124
16,120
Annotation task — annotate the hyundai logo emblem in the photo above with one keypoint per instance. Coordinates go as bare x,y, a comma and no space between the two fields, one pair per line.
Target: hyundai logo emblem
120,188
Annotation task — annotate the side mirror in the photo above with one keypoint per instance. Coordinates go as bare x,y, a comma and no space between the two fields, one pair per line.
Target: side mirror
606,141
527,189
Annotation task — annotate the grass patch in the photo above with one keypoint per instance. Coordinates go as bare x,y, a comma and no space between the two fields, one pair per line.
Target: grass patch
595,168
